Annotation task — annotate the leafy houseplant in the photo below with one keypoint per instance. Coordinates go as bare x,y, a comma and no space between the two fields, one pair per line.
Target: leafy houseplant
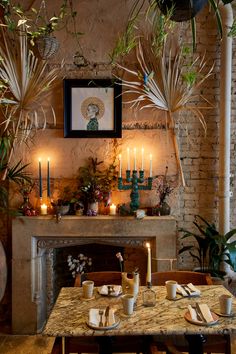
212,248
95,182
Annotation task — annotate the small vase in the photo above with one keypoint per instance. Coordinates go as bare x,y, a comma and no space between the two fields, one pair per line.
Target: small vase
26,206
92,209
164,209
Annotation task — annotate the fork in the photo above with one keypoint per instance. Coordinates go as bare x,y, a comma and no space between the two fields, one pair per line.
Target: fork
100,314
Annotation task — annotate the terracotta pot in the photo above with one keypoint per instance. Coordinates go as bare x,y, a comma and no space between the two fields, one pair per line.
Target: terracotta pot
183,10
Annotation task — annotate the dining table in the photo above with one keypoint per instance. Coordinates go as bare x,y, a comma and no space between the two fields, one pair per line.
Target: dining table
69,316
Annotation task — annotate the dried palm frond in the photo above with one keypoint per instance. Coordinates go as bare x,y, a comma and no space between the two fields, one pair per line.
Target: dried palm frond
28,81
166,83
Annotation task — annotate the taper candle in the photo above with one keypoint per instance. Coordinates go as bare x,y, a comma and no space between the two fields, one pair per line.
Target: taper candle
142,160
120,171
48,178
149,271
150,172
128,159
40,179
135,159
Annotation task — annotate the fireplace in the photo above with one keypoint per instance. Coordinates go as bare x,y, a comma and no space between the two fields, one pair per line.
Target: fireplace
35,238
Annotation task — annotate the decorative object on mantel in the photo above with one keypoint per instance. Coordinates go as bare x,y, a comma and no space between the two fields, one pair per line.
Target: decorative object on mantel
163,188
167,81
95,183
25,189
135,180
79,265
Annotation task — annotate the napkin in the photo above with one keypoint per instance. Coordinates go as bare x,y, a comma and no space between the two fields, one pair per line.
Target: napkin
193,313
94,317
116,290
205,312
191,287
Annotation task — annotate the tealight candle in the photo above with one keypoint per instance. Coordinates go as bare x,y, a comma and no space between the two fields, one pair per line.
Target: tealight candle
44,209
113,209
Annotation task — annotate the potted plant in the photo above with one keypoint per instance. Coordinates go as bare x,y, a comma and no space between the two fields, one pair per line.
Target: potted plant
95,184
211,248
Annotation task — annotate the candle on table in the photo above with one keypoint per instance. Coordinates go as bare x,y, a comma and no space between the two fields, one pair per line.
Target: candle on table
43,209
149,271
113,209
142,160
120,171
135,159
150,172
40,179
48,178
128,160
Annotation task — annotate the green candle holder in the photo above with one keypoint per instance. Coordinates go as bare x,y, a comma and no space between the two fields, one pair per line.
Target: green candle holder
136,184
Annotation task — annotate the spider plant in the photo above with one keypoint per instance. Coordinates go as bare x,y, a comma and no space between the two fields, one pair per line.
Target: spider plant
26,82
167,83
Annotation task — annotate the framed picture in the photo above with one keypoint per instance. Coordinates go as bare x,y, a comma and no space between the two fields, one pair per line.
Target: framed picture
92,108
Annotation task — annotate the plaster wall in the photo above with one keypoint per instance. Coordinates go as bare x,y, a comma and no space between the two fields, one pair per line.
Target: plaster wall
101,21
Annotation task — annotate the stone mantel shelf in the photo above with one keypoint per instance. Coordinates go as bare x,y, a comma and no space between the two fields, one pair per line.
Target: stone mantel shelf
32,236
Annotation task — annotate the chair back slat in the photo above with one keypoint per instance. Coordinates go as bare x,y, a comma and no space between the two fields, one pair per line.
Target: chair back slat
182,277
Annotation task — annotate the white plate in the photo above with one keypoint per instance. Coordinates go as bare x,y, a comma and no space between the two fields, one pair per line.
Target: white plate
111,295
114,325
188,317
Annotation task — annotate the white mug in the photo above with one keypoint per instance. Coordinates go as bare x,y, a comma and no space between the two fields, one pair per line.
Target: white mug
88,286
171,287
128,304
225,304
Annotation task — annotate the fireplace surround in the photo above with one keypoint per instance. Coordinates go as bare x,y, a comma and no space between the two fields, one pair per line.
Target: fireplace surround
34,237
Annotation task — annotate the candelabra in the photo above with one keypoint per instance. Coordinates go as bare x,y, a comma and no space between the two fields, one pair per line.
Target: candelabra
134,186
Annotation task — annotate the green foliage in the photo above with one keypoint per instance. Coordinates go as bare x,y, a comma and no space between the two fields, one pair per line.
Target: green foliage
211,247
96,181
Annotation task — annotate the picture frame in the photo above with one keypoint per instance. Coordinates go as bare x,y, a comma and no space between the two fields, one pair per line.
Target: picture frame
92,108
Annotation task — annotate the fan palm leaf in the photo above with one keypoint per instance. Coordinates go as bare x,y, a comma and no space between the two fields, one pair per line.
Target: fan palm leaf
161,85
28,80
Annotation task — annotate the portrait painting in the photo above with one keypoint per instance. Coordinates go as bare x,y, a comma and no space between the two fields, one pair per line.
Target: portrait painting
92,108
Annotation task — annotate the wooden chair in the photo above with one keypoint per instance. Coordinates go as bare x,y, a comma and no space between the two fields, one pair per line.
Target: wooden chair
213,344
121,344
182,277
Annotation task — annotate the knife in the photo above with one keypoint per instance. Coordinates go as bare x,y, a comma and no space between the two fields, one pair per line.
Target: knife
199,312
107,316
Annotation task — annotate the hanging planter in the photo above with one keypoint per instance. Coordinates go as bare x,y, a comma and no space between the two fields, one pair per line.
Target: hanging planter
183,10
47,46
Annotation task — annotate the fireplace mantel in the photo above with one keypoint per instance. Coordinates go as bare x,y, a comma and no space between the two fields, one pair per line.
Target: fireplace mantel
31,236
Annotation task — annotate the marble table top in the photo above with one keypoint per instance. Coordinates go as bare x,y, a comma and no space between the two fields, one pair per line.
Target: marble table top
70,313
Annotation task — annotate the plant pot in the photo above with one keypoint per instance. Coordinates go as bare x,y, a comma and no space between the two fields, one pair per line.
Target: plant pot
183,10
47,46
163,209
92,209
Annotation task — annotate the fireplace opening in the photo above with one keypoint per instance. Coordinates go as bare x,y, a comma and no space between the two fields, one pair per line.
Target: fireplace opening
103,259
